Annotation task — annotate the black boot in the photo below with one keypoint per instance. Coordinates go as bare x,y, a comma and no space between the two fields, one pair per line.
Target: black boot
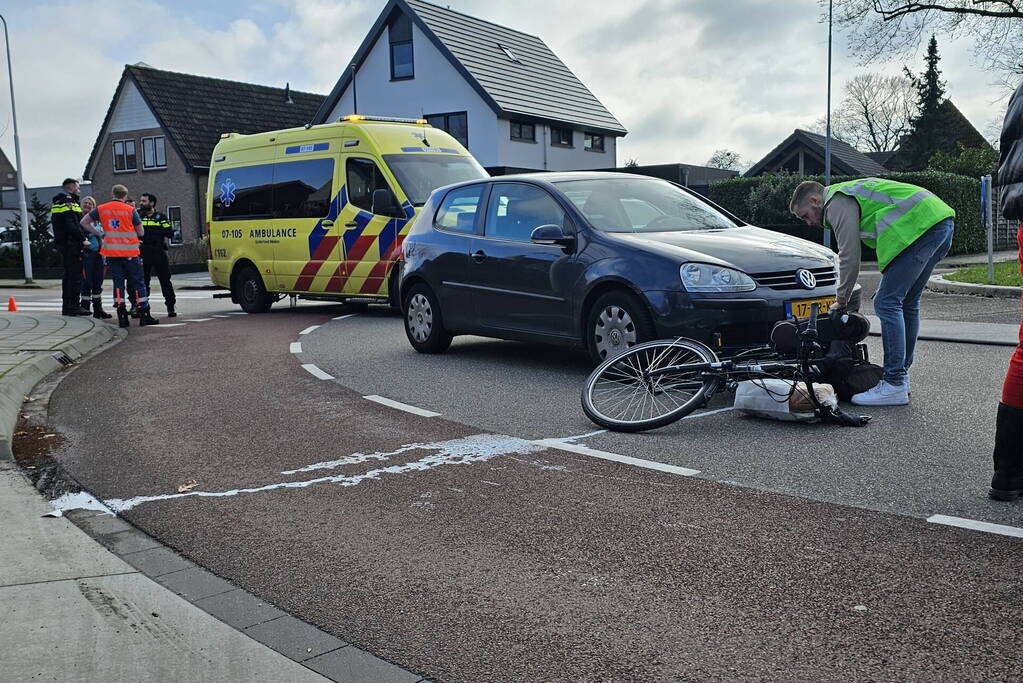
1007,484
98,312
85,305
134,312
146,318
171,313
122,316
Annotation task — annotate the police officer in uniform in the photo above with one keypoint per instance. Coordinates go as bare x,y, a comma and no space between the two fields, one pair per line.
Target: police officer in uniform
70,240
155,243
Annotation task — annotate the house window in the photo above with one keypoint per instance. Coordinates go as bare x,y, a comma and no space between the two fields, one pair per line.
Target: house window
154,152
400,35
561,136
456,124
521,130
125,158
593,142
174,216
509,53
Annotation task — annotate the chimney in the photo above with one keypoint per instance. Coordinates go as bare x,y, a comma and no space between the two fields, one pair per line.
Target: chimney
287,94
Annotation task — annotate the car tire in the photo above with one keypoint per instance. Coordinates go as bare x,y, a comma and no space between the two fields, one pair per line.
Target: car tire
250,292
617,321
424,323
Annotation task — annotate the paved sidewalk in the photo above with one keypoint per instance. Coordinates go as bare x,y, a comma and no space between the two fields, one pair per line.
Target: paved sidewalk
72,609
182,281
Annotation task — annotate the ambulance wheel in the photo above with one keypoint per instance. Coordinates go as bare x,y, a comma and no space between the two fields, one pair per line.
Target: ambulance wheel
424,325
249,291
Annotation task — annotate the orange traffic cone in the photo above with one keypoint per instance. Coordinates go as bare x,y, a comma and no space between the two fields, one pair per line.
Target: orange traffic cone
12,305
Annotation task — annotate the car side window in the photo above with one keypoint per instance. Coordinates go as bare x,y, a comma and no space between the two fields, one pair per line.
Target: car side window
458,210
515,210
362,177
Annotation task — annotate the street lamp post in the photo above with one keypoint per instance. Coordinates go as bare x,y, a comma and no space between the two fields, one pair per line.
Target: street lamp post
26,251
827,139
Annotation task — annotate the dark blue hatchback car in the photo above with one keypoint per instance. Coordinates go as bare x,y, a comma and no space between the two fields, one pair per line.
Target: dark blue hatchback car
602,260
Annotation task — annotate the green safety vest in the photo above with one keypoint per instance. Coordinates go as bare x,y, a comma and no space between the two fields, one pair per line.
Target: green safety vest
892,214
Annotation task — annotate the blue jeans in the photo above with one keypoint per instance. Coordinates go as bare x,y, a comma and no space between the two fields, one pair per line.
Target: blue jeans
128,268
92,284
897,302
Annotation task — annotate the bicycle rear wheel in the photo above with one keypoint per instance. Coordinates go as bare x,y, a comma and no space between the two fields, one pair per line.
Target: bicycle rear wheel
620,396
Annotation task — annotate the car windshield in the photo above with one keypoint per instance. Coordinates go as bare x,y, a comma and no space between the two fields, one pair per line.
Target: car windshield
421,174
641,205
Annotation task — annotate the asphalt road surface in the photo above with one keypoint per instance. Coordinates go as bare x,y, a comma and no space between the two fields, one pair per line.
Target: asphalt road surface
469,547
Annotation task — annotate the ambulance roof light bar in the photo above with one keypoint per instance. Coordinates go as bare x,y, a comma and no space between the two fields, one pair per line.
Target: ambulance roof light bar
352,118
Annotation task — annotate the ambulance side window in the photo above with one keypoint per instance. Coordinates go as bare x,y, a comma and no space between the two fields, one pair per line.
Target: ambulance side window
302,189
243,193
363,177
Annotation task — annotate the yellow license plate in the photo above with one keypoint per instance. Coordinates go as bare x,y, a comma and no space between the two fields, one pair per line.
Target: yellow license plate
801,308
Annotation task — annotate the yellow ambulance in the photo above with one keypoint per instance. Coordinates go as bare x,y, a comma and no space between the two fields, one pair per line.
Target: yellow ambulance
321,212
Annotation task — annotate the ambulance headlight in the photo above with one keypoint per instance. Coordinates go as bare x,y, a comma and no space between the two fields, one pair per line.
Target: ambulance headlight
704,277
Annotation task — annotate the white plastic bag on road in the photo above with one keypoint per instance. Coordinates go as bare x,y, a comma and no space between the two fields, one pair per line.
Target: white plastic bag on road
779,399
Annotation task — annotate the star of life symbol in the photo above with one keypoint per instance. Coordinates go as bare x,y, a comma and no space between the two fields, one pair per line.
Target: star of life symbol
421,136
115,223
227,189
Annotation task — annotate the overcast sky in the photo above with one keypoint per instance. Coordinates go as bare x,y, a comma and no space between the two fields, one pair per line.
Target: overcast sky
685,77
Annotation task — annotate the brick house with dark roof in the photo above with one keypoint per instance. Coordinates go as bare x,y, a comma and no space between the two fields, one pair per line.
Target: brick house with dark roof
159,133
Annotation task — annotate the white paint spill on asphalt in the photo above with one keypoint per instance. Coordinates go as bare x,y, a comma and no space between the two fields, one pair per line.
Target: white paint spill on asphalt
76,501
353,459
465,451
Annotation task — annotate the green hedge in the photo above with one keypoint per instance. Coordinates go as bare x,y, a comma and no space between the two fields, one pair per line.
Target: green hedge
764,201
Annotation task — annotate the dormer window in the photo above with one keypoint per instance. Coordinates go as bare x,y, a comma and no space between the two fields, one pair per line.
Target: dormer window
509,53
399,32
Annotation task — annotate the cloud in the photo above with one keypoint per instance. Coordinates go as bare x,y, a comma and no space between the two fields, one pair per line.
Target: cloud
686,77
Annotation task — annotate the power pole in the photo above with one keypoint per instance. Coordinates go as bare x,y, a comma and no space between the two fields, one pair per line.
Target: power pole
26,250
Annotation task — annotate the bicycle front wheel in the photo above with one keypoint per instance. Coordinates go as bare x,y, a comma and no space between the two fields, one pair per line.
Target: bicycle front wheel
621,396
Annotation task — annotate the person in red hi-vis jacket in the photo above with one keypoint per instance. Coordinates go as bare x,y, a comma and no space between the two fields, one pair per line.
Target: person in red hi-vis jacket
1007,483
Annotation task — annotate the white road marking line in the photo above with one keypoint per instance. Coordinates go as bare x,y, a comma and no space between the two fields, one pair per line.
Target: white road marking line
296,347
976,525
219,316
309,329
316,372
342,317
401,406
237,313
166,325
709,412
614,457
199,320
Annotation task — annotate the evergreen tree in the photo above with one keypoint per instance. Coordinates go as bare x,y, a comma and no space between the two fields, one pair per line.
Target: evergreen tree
44,254
930,89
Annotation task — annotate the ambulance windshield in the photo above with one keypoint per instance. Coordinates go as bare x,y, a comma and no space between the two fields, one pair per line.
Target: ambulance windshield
421,174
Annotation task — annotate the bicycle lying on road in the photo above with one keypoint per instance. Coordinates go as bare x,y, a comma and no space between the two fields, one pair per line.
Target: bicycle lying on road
654,384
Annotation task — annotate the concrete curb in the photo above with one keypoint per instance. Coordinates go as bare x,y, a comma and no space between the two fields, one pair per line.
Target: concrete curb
21,379
938,283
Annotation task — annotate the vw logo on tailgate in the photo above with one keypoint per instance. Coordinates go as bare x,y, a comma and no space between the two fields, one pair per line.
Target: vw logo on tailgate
806,278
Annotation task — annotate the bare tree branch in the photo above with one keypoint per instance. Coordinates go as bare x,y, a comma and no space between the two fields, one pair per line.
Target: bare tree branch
905,8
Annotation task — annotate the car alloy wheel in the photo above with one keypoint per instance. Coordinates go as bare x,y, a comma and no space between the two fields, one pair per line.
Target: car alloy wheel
420,317
614,332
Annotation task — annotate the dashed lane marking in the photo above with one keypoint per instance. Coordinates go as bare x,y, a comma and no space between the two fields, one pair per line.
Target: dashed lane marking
561,445
166,325
316,372
296,347
237,313
309,329
709,412
199,320
401,406
976,525
348,315
215,315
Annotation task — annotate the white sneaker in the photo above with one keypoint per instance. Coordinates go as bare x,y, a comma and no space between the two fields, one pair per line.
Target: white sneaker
883,394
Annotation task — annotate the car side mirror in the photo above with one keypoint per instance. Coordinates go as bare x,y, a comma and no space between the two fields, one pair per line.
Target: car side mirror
551,234
384,203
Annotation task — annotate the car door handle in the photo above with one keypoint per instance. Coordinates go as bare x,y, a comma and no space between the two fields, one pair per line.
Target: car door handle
479,256
327,223
350,225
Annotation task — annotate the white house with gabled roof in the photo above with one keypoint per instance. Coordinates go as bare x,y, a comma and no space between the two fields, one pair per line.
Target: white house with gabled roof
503,93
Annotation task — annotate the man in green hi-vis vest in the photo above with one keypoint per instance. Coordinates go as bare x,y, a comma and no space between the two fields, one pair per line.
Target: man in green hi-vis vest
910,228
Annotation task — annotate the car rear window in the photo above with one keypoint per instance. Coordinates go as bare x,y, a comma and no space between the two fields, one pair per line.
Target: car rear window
458,210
